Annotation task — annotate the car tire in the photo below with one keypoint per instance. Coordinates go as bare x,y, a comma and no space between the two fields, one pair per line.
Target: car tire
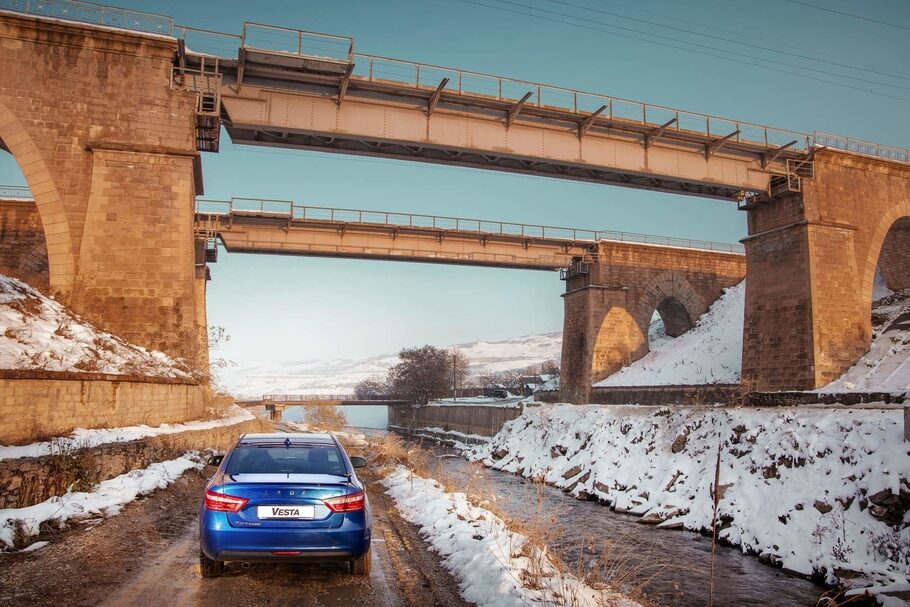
363,564
210,567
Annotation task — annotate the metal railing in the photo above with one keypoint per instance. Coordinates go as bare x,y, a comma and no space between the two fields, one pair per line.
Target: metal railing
391,219
859,146
273,38
305,398
17,192
97,14
375,68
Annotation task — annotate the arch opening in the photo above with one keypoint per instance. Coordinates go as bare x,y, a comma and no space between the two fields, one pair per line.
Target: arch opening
58,246
669,320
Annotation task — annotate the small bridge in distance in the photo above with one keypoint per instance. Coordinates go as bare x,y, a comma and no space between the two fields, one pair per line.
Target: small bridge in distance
275,404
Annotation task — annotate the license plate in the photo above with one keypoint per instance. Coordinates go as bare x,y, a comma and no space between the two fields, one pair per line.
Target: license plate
291,512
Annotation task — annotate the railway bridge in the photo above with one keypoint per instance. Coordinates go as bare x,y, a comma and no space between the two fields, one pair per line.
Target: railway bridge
108,125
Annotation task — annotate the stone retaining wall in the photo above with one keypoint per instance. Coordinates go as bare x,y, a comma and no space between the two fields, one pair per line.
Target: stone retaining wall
656,395
38,405
467,419
31,480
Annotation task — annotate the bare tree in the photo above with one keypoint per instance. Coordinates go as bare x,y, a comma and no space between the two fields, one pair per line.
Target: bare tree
427,373
372,386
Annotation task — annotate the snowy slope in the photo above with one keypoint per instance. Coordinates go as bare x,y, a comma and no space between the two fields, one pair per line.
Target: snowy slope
814,489
339,376
710,353
886,366
36,332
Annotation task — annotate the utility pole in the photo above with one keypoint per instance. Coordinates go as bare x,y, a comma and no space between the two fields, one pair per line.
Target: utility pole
454,375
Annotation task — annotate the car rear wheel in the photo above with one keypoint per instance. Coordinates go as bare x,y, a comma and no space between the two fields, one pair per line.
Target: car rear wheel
362,565
210,567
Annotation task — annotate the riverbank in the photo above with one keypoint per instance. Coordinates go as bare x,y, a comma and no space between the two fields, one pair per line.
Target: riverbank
821,492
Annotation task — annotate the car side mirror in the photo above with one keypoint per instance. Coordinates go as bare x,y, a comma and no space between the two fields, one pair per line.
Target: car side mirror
358,462
216,460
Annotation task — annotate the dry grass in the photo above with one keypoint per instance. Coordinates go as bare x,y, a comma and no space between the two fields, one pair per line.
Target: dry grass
327,418
606,564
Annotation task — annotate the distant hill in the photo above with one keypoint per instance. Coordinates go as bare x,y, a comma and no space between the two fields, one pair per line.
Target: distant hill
339,376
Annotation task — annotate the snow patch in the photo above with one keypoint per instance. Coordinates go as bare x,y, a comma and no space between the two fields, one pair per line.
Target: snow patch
885,367
106,499
709,353
36,332
485,557
813,489
82,438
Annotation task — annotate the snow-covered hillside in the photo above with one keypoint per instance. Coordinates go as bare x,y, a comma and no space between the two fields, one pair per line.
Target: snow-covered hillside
886,366
36,332
339,376
710,353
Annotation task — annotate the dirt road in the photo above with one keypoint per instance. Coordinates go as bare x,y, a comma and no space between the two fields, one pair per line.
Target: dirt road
148,555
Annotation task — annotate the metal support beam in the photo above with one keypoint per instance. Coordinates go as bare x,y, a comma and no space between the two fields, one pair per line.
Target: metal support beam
714,147
343,85
181,54
769,157
516,109
655,133
241,66
434,98
586,124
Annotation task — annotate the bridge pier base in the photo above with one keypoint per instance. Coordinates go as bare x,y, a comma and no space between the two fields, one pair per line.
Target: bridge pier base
812,257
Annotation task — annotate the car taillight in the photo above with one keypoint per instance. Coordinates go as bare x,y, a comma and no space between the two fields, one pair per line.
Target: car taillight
346,503
219,502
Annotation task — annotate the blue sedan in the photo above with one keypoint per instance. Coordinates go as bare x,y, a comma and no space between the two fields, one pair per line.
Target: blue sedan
285,498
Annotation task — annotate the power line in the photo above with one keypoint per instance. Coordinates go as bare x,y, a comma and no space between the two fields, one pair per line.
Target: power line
754,61
845,14
731,40
709,47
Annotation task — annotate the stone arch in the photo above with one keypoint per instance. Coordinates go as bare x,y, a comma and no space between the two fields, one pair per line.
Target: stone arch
673,297
898,216
61,257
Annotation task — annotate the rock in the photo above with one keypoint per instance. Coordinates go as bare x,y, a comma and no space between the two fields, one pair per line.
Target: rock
888,507
573,471
651,519
500,453
679,443
823,507
601,487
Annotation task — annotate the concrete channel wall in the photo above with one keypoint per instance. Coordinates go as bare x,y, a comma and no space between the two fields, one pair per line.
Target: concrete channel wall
467,419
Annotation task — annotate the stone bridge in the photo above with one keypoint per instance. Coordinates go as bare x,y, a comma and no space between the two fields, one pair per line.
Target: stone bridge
107,139
610,299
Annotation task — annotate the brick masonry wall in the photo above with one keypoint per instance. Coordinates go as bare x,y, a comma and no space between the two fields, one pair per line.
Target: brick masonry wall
23,249
32,480
38,408
812,259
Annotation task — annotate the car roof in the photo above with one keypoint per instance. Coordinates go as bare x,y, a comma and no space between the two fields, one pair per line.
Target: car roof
319,438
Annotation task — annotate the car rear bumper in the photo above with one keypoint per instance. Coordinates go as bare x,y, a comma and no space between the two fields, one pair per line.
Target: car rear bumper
219,541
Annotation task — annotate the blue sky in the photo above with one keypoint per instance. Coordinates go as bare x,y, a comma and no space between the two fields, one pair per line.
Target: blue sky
286,308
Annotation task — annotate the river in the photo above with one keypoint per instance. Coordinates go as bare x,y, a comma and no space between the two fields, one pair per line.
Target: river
672,566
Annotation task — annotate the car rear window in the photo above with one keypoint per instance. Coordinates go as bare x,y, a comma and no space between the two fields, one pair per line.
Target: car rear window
296,459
